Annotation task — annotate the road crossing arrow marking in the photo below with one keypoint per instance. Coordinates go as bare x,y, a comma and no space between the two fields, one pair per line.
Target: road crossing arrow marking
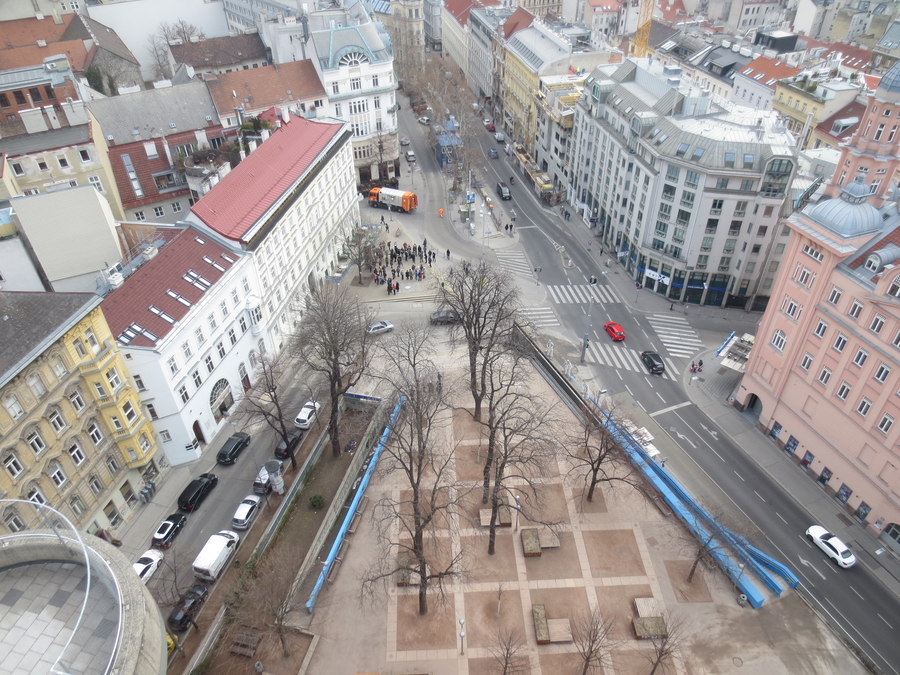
809,564
715,434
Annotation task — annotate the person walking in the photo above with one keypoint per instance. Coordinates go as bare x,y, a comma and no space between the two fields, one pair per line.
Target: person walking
448,254
441,211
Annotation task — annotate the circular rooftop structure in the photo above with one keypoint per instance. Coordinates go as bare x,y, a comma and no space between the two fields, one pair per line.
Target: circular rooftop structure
849,215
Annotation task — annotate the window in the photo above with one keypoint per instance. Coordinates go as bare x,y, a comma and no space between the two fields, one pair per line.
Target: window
196,377
843,391
13,407
729,160
803,277
716,207
209,364
232,337
813,253
855,309
335,88
877,323
42,165
220,348
668,192
129,411
95,484
691,179
165,435
747,185
173,365
59,368
13,466
139,383
57,421
58,476
886,423
76,454
779,340
112,376
36,442
35,495
806,361
95,434
748,161
865,405
91,339
79,348
77,506
860,357
882,373
682,149
711,225
76,401
36,385
151,410
183,393
12,520
821,327
198,334
186,349
790,307
355,84
840,342
242,322
85,155
824,376
116,422
722,183
835,295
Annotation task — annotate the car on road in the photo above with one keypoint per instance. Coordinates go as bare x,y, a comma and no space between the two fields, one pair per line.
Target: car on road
196,491
188,605
380,327
653,362
404,140
147,564
168,530
283,450
834,548
494,154
424,120
488,122
232,448
614,331
410,156
246,511
444,317
307,415
500,138
490,127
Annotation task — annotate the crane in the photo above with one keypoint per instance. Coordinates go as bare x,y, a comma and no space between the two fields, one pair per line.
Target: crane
641,44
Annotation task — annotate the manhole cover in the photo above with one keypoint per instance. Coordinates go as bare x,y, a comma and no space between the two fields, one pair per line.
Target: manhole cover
737,662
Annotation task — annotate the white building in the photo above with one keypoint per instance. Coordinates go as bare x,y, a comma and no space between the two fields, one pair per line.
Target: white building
291,204
484,44
186,324
754,84
686,191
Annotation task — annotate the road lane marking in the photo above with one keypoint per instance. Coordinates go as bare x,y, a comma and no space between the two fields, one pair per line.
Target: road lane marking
854,590
814,568
671,408
758,495
782,519
660,397
885,620
739,476
630,392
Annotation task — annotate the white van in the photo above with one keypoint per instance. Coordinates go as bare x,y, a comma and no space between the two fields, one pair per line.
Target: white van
215,555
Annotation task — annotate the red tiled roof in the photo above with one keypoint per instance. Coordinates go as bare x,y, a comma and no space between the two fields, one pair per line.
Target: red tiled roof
852,109
459,9
32,55
872,81
149,284
855,58
771,69
672,12
234,205
892,237
266,86
26,32
518,20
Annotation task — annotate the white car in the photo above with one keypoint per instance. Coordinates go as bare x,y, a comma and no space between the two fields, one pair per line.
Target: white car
834,548
404,141
424,120
488,121
307,415
246,512
147,564
380,327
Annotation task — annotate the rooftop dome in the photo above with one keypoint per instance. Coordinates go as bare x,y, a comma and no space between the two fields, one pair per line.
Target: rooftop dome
849,216
891,81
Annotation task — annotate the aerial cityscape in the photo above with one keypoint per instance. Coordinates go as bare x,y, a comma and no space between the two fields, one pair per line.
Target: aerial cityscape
449,336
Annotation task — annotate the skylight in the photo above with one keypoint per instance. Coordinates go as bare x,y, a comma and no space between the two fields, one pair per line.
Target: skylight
183,301
213,263
161,314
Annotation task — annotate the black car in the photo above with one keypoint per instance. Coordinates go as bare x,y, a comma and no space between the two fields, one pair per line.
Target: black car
444,316
232,448
196,491
182,615
653,362
168,530
283,450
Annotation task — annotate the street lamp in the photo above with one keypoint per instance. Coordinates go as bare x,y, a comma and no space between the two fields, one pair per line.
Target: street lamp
481,213
587,328
462,637
518,508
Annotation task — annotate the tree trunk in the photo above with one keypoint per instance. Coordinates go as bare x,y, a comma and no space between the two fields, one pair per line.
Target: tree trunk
489,462
473,384
423,590
333,424
693,569
495,507
590,494
656,664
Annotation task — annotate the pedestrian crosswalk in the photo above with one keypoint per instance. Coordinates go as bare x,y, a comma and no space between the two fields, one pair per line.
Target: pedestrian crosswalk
539,317
617,355
582,294
514,261
676,334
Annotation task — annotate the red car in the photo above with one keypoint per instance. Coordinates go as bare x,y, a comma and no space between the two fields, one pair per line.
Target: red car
615,331
490,127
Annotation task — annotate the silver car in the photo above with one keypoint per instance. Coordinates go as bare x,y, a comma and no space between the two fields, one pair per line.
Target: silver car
247,510
380,327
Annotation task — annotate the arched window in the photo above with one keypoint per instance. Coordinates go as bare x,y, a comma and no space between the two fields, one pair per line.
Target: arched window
779,340
895,287
253,358
13,521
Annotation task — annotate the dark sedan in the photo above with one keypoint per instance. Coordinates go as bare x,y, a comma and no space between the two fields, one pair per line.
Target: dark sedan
232,448
196,491
168,530
183,614
445,316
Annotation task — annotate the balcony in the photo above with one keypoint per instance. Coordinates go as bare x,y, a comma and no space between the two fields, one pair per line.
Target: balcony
723,268
700,266
668,197
706,248
728,250
102,360
710,230
715,212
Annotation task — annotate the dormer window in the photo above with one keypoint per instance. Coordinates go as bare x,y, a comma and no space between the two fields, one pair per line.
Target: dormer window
873,263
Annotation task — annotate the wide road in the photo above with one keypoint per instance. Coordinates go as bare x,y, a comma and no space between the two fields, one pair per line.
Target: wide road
854,599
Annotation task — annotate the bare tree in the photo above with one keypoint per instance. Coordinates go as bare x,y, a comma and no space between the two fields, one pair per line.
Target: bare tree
486,298
417,451
595,455
360,250
716,535
158,43
334,342
508,651
666,647
181,30
264,403
592,636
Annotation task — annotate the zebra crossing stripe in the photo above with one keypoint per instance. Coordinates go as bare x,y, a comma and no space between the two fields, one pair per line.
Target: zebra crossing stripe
581,294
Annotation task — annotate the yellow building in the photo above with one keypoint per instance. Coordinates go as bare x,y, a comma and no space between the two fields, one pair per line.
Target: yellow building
72,431
810,100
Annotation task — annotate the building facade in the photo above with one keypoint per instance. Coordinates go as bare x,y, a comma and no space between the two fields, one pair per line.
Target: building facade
74,434
825,370
754,84
687,192
807,101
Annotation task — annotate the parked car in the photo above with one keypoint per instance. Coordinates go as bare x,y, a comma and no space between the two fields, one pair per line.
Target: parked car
168,530
246,511
653,362
424,120
262,485
410,156
614,331
147,564
443,317
488,122
494,154
196,491
188,605
834,548
500,138
307,415
380,327
503,190
490,127
404,140
284,450
232,448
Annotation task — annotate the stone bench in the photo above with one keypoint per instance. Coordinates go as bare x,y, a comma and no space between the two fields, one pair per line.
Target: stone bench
531,543
541,628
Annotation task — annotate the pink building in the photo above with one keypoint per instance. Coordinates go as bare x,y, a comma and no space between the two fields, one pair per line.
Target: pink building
824,374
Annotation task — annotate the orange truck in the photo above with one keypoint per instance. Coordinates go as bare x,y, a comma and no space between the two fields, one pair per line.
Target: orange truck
393,200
